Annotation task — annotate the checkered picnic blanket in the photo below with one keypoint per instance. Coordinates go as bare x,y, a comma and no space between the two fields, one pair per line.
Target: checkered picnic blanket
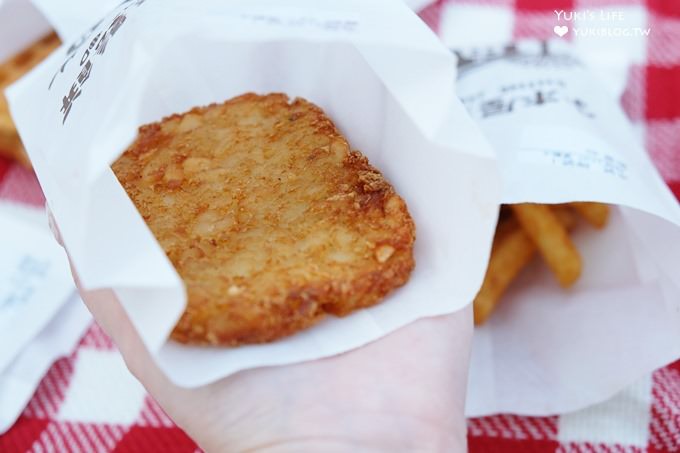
88,401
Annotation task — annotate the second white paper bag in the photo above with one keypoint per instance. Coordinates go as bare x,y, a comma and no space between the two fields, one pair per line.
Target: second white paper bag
559,138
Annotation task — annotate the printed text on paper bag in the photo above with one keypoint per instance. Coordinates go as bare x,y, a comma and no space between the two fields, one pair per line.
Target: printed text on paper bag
532,93
96,47
333,24
588,160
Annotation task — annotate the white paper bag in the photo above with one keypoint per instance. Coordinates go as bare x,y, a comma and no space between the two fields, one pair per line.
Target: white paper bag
34,281
559,138
376,70
41,316
20,379
21,24
417,5
70,18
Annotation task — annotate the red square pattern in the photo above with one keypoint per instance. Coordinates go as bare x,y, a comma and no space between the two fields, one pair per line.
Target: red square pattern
545,5
663,92
665,7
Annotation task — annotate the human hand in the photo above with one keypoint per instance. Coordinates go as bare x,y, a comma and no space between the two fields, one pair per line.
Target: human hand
404,392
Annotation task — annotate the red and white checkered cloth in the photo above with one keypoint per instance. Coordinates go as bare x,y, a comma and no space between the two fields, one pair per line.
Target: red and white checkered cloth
89,402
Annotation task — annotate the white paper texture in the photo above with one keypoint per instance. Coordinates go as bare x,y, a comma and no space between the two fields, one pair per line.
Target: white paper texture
70,18
34,282
560,138
54,324
21,24
376,70
417,5
20,379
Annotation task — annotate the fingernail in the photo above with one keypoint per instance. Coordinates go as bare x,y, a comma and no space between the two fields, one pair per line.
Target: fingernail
53,226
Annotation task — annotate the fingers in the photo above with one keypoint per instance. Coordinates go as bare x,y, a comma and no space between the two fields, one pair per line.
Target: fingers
110,314
53,226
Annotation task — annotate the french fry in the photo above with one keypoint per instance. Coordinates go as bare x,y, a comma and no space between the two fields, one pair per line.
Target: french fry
565,215
506,224
551,239
512,250
505,213
595,214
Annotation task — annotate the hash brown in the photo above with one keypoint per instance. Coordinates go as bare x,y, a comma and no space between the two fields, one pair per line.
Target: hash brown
269,217
11,71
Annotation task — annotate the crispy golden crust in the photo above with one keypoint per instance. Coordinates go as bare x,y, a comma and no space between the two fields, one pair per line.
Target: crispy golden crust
268,216
11,71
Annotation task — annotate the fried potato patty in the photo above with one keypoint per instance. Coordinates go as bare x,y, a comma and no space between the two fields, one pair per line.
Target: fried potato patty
269,217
